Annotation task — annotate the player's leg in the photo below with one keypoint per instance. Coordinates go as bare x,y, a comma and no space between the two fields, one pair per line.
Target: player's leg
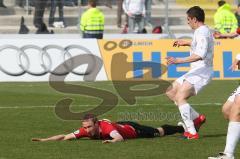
226,109
170,129
144,131
184,91
172,91
233,134
187,112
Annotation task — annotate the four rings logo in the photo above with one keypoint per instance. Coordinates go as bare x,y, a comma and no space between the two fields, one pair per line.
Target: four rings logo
46,61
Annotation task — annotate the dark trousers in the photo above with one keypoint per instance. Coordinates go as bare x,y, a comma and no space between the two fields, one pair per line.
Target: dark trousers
105,2
95,36
84,2
40,6
1,2
22,3
54,5
119,12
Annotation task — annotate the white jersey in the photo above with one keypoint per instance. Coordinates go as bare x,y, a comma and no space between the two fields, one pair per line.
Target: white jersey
202,45
201,71
134,6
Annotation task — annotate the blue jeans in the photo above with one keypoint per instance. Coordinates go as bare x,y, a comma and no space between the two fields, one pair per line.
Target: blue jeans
54,4
148,6
135,20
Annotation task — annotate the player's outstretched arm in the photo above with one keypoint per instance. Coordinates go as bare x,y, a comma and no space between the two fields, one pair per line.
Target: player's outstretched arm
116,137
192,58
56,138
178,43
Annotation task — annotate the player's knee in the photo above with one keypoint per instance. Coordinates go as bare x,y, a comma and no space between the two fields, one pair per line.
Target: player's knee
179,98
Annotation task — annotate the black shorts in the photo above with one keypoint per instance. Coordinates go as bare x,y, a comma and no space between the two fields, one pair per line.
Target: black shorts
142,130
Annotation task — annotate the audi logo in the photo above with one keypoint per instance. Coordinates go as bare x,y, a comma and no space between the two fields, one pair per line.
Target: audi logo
24,62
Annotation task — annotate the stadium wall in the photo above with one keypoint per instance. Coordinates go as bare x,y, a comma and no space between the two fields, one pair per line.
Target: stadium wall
32,57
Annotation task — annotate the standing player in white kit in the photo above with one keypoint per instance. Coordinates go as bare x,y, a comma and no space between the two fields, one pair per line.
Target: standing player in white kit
200,74
231,111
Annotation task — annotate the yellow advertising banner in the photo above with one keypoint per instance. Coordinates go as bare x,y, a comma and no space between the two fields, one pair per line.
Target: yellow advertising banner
146,59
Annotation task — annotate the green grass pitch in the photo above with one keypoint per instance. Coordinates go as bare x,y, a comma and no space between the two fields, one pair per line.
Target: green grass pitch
27,111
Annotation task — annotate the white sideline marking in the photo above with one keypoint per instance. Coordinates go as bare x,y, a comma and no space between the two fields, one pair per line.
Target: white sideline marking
52,106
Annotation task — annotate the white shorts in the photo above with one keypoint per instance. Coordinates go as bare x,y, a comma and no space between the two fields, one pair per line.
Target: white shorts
234,94
198,77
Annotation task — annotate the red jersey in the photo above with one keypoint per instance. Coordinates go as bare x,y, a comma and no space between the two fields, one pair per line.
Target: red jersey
106,127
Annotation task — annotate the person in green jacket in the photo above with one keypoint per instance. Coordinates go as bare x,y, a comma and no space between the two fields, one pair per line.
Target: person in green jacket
92,22
237,14
224,19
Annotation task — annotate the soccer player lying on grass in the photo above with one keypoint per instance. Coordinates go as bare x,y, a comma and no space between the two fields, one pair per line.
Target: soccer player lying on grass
113,132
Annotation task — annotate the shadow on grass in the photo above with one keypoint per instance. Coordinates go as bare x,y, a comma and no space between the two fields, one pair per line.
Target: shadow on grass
214,135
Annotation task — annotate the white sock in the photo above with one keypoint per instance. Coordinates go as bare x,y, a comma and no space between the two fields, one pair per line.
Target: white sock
194,113
186,116
233,136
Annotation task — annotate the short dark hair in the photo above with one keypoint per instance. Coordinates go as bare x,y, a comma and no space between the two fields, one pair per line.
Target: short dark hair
221,2
238,4
92,3
91,117
196,12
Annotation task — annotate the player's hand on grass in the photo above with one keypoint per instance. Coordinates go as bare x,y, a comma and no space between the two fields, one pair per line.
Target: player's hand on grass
107,141
37,139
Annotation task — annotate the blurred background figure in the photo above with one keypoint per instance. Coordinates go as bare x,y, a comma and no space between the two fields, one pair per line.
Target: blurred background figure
224,19
92,21
40,6
237,14
148,18
136,12
22,3
2,5
23,28
119,15
60,23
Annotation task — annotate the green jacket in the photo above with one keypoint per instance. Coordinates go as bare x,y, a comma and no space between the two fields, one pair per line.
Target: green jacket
224,20
92,21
